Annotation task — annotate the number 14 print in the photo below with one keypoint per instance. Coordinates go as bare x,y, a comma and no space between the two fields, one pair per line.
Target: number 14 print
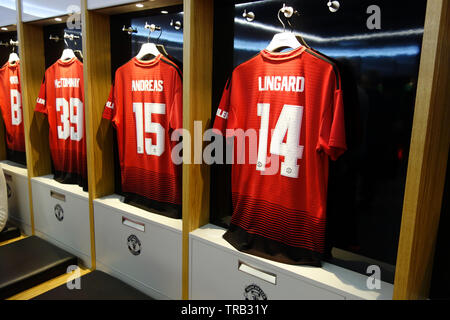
289,123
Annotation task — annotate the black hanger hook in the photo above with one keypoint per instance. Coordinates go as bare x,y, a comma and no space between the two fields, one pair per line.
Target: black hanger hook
160,33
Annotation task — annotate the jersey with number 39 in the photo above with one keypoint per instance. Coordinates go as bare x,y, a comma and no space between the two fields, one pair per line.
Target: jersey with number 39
145,107
11,106
61,98
292,102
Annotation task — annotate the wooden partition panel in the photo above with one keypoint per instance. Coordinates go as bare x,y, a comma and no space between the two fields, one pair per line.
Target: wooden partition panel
97,70
428,159
97,82
32,69
197,91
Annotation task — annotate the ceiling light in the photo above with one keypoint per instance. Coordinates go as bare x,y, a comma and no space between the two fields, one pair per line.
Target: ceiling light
58,19
139,5
4,29
164,12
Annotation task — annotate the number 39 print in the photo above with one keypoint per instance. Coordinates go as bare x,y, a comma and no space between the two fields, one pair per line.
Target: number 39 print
71,119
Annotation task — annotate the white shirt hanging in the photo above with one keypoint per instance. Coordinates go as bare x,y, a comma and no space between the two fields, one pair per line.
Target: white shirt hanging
147,48
13,58
67,55
283,40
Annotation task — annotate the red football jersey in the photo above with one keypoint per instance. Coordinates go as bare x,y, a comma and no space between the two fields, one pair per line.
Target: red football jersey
293,103
11,106
145,106
61,98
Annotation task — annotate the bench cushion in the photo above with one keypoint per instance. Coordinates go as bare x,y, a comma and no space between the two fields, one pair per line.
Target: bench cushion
29,262
95,285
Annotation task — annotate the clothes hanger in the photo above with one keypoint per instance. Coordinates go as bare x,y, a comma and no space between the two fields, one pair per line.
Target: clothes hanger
67,52
284,40
298,36
162,50
148,50
13,57
78,53
160,46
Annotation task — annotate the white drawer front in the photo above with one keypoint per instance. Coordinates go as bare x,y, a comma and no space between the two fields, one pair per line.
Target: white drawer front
63,217
144,252
18,200
218,274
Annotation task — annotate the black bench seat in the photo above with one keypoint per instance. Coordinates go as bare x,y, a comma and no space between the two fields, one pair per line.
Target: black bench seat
95,285
31,261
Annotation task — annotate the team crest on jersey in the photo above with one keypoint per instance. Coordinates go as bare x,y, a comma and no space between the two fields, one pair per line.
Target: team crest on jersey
8,190
254,292
134,245
59,212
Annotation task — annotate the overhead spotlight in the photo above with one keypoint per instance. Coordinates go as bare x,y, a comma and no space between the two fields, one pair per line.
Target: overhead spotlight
4,28
333,6
139,5
58,19
164,12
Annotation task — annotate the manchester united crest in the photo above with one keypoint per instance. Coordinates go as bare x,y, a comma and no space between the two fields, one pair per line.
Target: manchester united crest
254,292
59,212
134,245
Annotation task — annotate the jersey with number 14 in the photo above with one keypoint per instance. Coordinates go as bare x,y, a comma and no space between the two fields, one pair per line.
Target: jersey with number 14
11,106
292,103
145,106
61,98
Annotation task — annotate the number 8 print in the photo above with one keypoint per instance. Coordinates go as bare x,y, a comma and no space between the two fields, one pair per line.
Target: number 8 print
16,111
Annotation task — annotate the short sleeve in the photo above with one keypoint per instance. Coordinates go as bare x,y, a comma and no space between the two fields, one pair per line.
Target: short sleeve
41,103
176,109
332,128
109,110
225,117
2,91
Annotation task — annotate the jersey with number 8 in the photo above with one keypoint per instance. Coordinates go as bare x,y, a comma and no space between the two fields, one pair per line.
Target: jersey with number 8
61,98
11,106
293,101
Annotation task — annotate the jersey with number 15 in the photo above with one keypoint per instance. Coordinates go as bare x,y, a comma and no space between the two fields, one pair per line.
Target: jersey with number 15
62,99
11,106
145,106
